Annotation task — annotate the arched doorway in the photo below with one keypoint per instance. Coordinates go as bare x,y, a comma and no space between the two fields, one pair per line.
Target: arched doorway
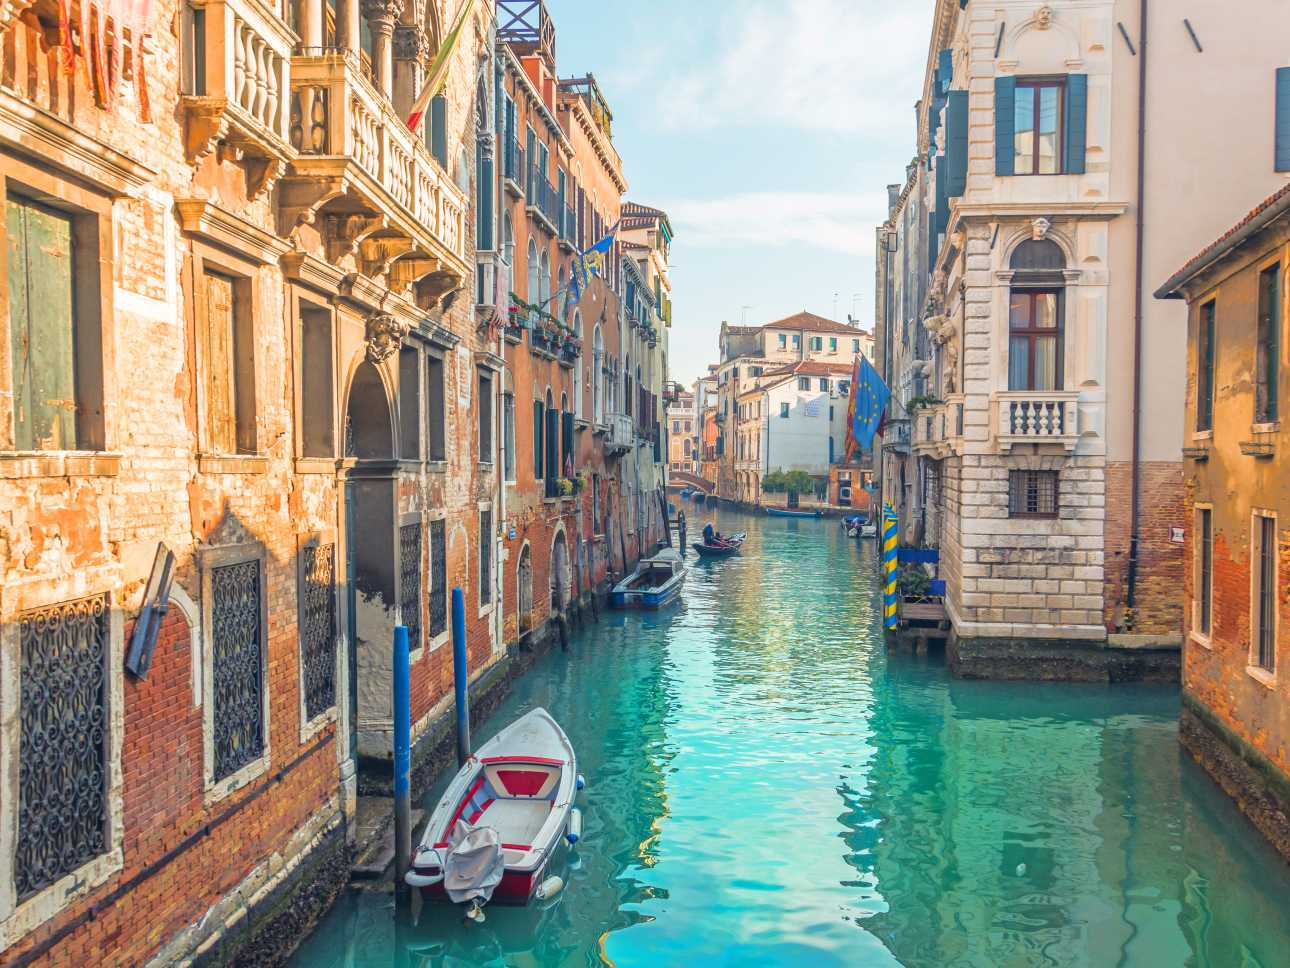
524,583
371,571
561,573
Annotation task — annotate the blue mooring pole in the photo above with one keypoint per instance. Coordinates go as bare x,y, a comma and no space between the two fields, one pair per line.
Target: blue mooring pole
402,758
460,676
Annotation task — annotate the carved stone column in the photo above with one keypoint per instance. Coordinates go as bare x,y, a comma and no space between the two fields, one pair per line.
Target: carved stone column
309,14
349,33
381,17
410,50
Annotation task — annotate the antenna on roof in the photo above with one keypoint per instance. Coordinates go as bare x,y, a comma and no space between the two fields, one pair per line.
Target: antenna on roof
743,321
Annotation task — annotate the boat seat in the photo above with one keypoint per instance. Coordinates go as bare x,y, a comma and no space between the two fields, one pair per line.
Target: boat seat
529,781
516,821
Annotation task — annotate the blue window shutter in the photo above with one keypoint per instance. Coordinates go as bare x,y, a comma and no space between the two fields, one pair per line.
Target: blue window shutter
945,69
1005,122
956,150
1076,123
1282,154
439,130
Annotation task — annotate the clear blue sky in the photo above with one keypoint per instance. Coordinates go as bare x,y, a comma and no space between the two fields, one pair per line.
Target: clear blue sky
768,130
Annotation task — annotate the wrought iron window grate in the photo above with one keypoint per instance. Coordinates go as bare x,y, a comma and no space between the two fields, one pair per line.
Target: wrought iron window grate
318,628
438,579
485,557
1032,494
410,581
237,652
62,774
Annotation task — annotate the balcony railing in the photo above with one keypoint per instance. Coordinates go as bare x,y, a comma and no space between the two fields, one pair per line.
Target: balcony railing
569,227
1036,417
340,122
622,435
513,167
543,200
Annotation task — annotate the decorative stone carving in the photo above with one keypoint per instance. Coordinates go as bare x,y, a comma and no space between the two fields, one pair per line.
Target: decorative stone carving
936,293
410,43
382,10
384,335
1039,228
1044,17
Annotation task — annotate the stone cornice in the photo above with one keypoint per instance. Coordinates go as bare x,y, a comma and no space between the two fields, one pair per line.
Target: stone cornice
52,142
199,216
996,211
310,271
573,104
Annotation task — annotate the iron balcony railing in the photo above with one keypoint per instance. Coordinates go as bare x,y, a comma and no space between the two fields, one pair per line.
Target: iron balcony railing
513,162
543,198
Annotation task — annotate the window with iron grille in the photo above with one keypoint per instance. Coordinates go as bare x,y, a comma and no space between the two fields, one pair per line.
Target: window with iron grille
237,654
1205,369
1265,601
1205,569
438,579
1032,494
62,761
410,581
318,627
1269,346
485,557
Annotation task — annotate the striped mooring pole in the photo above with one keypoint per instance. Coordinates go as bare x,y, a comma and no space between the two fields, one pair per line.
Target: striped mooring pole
888,566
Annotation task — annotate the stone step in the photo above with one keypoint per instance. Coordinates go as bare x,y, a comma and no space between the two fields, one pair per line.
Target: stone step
375,858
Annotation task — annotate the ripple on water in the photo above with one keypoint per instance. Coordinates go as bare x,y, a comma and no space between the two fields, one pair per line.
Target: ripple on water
768,787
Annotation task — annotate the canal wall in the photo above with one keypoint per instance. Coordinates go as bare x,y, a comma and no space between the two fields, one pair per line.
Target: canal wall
1061,660
1260,789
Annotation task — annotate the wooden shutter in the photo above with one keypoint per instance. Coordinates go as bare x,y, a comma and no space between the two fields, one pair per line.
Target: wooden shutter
42,327
221,417
1005,122
1282,147
537,439
956,150
439,130
1076,133
944,69
566,436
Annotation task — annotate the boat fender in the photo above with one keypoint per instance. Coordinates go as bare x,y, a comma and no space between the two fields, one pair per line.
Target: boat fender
549,887
574,833
580,782
413,879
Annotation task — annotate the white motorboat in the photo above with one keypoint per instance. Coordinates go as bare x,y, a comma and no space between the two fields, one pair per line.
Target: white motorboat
519,788
655,582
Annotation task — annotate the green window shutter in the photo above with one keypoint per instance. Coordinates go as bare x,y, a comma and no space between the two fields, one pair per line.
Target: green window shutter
1076,133
439,130
1282,152
537,439
944,69
1005,119
956,151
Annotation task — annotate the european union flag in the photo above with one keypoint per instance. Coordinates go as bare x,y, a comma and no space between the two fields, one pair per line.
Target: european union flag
869,396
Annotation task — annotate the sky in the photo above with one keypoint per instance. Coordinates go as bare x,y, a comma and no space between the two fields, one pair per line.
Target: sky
768,130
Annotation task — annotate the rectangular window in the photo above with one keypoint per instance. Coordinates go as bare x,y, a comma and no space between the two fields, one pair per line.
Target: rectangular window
539,423
817,343
436,417
1204,570
531,154
438,122
783,409
43,327
783,340
1205,368
1037,127
230,365
485,557
438,604
804,383
317,433
508,437
318,627
486,416
1035,339
1265,592
844,387
797,340
1269,345
62,767
676,426
833,344
824,383
411,553
1032,494
237,661
855,346
409,404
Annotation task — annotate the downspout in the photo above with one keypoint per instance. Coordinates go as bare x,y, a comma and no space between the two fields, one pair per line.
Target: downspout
1139,229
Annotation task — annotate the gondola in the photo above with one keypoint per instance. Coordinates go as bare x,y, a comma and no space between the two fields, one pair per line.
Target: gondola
792,513
731,547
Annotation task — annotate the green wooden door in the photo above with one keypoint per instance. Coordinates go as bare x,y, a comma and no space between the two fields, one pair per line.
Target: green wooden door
41,326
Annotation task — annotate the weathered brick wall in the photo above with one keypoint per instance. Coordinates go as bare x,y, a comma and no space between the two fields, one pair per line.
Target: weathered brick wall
1159,602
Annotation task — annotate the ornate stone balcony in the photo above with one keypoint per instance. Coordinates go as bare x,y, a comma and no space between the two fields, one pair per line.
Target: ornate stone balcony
933,431
238,90
369,183
622,434
1036,417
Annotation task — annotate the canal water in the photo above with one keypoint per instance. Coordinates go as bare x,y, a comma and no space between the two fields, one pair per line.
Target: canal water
767,785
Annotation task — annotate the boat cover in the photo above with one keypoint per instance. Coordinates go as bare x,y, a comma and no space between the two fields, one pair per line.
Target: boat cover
474,865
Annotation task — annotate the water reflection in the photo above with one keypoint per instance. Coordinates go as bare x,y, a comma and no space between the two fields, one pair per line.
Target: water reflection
769,787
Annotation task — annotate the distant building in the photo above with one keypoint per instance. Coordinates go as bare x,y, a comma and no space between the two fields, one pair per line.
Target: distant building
682,439
1236,694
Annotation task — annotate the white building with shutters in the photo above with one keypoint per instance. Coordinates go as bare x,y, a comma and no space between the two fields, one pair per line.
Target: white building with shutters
1047,442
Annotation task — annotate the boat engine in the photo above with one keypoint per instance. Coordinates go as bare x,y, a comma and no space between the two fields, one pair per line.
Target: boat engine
473,867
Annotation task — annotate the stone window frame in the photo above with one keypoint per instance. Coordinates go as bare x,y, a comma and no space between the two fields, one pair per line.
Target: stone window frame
300,300
485,608
208,559
441,639
1266,677
17,919
309,728
91,212
1204,639
1257,425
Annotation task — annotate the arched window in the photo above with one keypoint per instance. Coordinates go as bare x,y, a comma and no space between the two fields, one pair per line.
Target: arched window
1036,316
545,281
534,291
598,377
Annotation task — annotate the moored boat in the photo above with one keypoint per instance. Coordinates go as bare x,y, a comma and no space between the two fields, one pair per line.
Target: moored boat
792,513
730,546
520,786
655,582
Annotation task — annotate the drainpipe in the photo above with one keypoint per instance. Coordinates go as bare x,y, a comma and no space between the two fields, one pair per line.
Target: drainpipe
1139,229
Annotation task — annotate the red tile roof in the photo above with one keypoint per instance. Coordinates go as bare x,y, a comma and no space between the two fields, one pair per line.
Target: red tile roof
811,323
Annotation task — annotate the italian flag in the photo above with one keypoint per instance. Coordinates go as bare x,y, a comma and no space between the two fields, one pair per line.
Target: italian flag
438,72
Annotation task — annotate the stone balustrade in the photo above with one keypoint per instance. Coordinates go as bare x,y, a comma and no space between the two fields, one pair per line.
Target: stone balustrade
1036,417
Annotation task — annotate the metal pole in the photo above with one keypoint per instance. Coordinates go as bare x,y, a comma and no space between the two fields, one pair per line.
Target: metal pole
460,676
889,566
402,758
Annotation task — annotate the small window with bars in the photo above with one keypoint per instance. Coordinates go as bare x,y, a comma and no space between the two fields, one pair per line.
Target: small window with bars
1265,593
410,554
1032,494
237,665
438,579
318,627
1204,570
485,557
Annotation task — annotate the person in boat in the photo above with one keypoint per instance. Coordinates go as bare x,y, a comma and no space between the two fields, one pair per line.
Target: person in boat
709,535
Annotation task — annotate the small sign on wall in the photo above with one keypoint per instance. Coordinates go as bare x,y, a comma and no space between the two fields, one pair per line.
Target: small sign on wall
1177,536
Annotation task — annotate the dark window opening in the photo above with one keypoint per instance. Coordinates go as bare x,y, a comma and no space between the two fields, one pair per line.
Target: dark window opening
1205,369
1205,573
436,410
1269,346
1032,494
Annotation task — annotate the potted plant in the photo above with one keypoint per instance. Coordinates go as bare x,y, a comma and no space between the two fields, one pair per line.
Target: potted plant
566,487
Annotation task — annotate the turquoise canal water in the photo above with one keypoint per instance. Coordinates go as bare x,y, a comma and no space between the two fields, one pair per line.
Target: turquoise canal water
768,786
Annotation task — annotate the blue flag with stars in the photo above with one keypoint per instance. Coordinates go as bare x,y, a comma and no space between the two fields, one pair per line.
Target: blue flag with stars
869,396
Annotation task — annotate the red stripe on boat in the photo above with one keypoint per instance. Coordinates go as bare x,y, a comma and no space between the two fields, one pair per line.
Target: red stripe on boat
544,760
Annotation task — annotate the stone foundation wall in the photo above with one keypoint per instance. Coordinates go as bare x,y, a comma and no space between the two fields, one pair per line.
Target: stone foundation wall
1058,660
1158,609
